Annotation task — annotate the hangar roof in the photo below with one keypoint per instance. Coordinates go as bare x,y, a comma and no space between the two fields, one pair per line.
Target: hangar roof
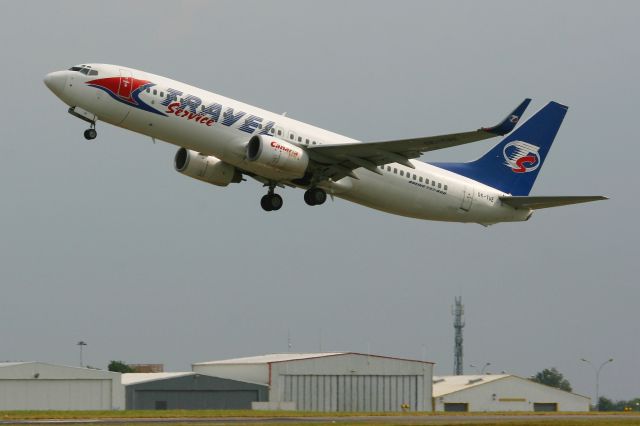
270,358
443,385
11,364
135,378
265,359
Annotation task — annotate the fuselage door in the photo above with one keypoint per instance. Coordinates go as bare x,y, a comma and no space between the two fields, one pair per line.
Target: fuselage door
467,198
126,82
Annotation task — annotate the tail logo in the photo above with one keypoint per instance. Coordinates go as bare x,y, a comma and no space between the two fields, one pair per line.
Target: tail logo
521,157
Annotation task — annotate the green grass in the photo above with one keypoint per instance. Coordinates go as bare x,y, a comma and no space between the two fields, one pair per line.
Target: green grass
452,419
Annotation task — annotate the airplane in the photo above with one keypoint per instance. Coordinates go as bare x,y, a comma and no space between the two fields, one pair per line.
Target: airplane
222,140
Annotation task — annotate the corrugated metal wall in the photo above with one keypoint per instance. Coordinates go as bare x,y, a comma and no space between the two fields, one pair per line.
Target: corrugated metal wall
351,393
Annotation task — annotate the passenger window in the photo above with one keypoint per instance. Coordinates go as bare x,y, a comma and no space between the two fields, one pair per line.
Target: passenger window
155,92
433,183
307,141
291,136
445,187
395,170
401,172
279,132
439,185
162,96
260,126
414,177
420,178
314,142
388,168
299,138
148,90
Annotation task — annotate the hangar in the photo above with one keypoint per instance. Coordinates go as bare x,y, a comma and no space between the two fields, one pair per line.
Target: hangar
502,392
189,391
336,381
42,386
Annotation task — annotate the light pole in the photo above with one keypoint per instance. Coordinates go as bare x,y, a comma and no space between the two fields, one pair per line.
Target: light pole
81,343
597,371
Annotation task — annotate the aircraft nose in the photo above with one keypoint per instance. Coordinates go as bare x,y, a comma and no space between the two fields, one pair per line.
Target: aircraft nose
56,82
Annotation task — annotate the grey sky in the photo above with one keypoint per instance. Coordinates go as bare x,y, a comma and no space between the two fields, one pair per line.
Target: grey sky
104,242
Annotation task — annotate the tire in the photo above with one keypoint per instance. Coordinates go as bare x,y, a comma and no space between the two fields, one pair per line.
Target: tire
265,203
276,202
319,196
315,196
90,134
307,198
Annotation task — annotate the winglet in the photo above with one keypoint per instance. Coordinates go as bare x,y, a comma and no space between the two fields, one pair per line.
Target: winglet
509,123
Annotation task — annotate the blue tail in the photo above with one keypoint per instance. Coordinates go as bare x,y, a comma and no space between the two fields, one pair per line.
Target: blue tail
512,166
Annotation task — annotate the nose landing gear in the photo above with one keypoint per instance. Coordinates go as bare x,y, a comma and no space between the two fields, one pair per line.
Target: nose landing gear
90,118
90,133
315,196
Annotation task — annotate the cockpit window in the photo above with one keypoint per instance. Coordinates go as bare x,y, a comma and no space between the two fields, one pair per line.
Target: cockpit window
84,69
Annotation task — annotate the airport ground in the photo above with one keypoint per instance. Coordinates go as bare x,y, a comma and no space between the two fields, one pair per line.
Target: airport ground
237,418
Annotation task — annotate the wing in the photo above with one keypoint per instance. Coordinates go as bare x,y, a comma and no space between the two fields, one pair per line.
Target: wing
340,160
546,202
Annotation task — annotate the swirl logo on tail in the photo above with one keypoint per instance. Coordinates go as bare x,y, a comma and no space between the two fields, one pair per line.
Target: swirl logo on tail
521,157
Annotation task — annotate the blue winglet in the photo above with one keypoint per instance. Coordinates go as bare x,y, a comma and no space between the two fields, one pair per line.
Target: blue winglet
509,123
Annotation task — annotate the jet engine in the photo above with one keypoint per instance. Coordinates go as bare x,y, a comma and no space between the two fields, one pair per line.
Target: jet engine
277,158
205,168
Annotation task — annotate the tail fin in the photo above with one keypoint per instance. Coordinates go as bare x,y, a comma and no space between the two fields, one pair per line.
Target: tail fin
513,165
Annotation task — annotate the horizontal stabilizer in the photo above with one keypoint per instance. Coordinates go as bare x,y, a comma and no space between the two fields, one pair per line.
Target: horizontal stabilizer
546,202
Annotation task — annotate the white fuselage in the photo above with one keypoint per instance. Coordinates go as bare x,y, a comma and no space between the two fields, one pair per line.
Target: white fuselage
399,189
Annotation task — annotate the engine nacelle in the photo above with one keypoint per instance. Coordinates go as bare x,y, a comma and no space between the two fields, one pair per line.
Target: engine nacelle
205,168
279,158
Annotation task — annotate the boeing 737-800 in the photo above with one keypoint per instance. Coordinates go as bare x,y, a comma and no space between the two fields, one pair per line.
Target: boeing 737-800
221,140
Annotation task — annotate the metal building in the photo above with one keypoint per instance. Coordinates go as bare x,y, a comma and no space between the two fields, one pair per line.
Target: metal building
189,391
337,381
502,392
42,386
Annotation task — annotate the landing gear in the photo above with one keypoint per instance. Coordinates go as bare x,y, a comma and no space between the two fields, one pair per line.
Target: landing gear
315,196
90,134
271,201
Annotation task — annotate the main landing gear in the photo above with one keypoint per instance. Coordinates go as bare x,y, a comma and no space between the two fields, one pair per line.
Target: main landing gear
271,201
315,196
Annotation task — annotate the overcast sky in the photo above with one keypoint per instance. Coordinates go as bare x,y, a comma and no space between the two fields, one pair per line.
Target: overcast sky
104,242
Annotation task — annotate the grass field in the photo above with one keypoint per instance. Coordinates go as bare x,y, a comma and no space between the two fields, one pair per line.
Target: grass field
237,418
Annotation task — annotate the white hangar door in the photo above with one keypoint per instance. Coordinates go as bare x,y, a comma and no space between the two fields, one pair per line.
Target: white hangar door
351,393
39,394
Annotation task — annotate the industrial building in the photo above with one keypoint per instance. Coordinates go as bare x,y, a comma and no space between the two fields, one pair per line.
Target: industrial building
337,381
189,391
42,386
502,392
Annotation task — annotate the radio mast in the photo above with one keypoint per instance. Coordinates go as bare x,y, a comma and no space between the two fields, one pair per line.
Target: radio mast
458,324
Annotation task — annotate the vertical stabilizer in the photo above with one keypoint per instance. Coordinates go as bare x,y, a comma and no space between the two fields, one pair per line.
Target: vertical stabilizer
513,165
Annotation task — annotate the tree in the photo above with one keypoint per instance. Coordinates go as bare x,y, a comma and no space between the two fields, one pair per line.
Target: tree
120,367
552,377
